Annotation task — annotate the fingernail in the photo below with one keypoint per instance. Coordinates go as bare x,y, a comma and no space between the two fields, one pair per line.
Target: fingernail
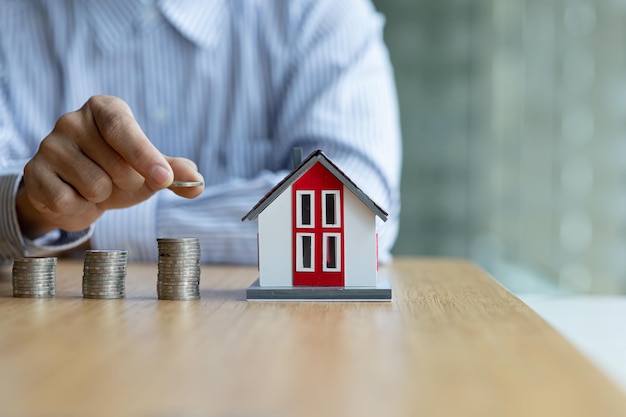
161,175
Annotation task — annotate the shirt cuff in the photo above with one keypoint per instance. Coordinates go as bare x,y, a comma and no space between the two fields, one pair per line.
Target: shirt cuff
13,243
132,229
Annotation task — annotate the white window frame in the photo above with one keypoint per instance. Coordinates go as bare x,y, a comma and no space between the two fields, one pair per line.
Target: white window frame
337,195
299,258
299,194
337,237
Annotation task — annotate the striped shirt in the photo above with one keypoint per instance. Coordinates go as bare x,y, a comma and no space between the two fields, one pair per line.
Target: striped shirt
232,85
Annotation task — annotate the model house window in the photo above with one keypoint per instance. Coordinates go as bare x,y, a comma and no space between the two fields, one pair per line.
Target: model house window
305,215
332,252
305,252
330,209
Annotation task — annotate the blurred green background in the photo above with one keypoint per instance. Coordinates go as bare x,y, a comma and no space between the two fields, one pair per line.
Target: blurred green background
514,125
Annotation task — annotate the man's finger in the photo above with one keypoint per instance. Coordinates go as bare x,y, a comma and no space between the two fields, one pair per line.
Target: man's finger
53,197
121,131
187,171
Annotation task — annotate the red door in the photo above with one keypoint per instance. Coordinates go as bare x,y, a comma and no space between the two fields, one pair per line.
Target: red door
317,201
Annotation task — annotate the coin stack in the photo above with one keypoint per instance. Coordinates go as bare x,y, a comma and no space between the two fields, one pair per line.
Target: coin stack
104,274
34,277
179,269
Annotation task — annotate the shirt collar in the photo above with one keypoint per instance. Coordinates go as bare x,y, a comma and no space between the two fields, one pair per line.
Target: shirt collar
115,22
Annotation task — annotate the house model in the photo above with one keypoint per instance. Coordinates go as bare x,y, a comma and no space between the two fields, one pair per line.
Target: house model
317,237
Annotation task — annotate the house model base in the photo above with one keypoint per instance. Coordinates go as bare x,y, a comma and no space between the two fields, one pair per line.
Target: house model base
381,292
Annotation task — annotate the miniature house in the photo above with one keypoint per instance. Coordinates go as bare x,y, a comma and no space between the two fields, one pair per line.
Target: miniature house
317,234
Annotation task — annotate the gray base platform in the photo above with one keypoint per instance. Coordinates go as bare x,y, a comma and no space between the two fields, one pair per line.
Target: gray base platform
382,292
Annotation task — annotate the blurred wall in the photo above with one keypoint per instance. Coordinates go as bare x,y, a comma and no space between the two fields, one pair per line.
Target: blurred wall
514,124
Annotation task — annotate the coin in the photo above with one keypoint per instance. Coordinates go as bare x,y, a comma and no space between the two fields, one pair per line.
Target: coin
178,268
187,184
104,273
34,277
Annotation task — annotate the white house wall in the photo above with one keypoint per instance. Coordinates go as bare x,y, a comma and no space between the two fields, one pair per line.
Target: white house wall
360,242
275,252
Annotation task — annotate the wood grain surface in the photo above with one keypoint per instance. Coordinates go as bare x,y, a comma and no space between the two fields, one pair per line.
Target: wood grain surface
451,343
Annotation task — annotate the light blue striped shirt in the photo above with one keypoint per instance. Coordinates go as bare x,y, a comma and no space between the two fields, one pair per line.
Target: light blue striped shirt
233,85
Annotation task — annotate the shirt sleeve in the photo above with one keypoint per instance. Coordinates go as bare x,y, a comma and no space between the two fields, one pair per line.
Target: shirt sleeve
12,242
338,96
14,154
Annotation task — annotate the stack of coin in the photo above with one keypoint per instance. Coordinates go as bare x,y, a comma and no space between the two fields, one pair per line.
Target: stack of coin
104,274
179,269
34,277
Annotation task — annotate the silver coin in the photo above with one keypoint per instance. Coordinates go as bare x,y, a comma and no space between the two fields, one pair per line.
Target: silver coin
17,264
162,295
178,278
178,239
169,285
108,293
183,260
107,264
103,297
34,285
96,269
50,295
176,275
172,243
174,285
184,298
164,276
180,271
26,292
170,259
43,292
103,270
181,268
33,282
106,252
178,265
187,184
104,281
178,249
104,287
182,244
33,268
104,278
185,292
41,275
36,260
184,270
181,294
47,292
178,288
104,294
164,284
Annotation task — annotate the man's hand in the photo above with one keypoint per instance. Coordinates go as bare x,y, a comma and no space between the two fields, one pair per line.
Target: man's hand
95,159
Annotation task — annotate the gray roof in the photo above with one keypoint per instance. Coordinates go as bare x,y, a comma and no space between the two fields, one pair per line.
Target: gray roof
312,159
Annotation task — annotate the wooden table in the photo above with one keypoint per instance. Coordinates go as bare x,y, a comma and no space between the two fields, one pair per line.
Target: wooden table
451,343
